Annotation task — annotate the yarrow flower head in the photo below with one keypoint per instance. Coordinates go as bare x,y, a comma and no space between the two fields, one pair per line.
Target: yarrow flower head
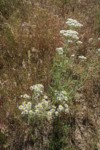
25,96
60,51
70,34
37,88
73,23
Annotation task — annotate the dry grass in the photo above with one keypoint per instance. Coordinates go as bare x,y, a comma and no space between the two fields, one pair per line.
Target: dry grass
29,37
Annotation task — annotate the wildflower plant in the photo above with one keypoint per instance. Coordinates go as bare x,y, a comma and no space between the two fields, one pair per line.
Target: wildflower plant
37,90
63,86
25,108
70,34
63,65
73,23
61,96
60,51
25,96
40,107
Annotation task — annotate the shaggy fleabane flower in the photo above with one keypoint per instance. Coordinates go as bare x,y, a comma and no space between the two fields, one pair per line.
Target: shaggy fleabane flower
31,113
61,95
25,96
73,23
42,106
56,113
45,104
52,110
49,115
38,89
60,108
25,107
60,51
39,106
66,106
66,110
44,109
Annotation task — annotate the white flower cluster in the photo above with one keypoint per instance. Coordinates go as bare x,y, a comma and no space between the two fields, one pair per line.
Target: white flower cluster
62,31
82,57
70,41
98,49
38,89
60,51
62,109
49,111
70,34
61,96
41,109
73,23
25,108
79,42
44,108
25,96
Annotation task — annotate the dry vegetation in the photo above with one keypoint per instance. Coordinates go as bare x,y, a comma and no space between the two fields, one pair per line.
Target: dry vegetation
29,36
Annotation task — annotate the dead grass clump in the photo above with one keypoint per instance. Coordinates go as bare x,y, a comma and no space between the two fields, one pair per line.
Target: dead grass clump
27,49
